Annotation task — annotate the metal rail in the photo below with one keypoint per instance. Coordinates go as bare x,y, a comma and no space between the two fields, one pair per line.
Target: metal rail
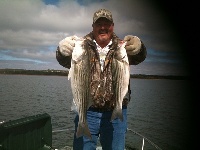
144,138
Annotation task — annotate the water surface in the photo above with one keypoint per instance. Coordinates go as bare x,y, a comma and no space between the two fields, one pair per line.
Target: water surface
159,109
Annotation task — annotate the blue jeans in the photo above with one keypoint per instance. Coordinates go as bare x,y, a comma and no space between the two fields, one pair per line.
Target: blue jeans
110,134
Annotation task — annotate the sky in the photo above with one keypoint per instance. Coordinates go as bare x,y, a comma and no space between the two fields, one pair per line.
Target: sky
30,31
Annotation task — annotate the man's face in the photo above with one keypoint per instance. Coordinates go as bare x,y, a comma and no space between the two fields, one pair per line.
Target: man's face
103,30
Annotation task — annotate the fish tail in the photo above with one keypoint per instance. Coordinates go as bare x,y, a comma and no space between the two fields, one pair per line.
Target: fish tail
117,113
83,130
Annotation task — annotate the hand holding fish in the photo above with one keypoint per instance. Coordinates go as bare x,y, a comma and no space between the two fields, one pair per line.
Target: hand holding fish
67,45
133,44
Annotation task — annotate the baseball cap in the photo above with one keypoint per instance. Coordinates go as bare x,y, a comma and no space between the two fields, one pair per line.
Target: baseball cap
102,13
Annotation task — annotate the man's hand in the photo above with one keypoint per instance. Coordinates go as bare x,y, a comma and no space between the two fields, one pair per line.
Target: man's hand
133,44
66,46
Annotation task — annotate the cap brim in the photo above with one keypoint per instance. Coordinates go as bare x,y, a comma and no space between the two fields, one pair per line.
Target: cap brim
102,17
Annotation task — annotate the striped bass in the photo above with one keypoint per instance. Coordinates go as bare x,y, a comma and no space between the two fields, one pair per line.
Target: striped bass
80,77
121,76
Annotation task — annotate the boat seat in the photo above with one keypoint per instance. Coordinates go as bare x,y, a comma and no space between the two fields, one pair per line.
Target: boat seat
29,133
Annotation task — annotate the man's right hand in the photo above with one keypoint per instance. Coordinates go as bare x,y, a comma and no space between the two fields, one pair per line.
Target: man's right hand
66,46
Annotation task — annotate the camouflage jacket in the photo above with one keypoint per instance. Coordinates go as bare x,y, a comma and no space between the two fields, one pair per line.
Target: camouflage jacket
101,82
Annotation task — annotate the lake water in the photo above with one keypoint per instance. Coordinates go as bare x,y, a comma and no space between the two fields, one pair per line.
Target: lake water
159,109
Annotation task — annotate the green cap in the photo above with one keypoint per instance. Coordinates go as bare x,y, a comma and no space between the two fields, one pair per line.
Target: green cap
102,13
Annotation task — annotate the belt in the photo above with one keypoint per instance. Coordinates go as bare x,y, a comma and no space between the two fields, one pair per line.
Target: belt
103,109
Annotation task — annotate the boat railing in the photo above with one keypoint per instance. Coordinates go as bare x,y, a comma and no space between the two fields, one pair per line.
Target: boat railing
39,128
144,139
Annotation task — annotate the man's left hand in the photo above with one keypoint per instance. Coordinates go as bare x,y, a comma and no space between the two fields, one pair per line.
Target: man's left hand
133,44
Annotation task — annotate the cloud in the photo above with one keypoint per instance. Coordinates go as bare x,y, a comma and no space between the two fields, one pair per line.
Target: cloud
31,30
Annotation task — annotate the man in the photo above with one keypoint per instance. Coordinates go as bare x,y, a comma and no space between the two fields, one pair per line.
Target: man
102,42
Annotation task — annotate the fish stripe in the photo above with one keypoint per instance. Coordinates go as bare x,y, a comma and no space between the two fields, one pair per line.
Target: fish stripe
121,75
80,84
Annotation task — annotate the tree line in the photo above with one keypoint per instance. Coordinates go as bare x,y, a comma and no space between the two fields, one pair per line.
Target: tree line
65,73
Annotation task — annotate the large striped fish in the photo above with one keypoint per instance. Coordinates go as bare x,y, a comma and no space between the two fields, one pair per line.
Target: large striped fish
121,76
79,74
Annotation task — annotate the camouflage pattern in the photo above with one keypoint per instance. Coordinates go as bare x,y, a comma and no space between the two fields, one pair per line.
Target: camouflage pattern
103,96
102,13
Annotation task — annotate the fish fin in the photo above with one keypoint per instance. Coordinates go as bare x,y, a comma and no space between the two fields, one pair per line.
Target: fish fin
117,113
74,107
83,130
69,74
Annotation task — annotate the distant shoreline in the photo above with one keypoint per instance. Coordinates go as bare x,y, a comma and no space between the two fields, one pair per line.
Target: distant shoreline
65,73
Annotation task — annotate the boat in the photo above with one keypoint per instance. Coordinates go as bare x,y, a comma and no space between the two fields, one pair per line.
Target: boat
35,133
